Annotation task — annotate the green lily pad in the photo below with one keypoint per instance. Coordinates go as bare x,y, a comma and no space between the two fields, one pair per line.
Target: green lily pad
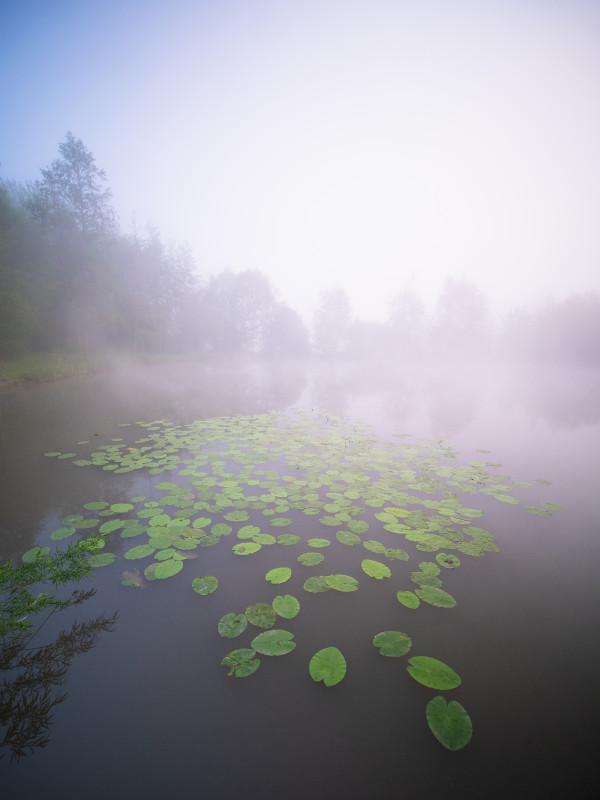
436,596
316,584
318,542
392,643
62,533
288,539
248,531
246,548
341,583
327,665
166,569
121,508
449,723
286,606
205,584
347,537
408,599
447,560
375,569
433,673
236,516
36,552
219,529
140,551
310,559
261,615
102,559
232,625
96,506
264,538
273,643
374,546
279,575
241,663
280,522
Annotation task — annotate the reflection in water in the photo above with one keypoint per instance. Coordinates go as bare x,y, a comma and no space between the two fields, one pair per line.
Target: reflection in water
30,693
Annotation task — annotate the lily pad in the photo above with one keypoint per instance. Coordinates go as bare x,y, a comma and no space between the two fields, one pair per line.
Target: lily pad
341,583
280,522
166,569
327,665
241,663
232,625
447,560
279,575
140,551
433,673
102,559
286,606
310,559
449,723
261,615
316,584
318,542
347,537
288,539
408,599
246,548
205,584
375,569
36,552
392,643
273,643
436,596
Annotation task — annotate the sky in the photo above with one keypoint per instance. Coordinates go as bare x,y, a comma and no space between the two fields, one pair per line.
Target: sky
375,145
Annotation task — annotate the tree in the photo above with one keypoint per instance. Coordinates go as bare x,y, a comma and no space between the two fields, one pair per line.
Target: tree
286,333
332,322
462,324
72,191
407,323
235,311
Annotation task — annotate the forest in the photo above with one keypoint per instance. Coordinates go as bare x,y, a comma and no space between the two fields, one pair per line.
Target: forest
71,281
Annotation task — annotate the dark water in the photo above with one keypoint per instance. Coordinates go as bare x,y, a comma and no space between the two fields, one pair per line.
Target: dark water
151,713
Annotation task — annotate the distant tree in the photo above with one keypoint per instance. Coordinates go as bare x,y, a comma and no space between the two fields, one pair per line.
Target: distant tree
569,330
235,311
461,327
516,334
407,320
332,322
286,333
73,192
369,341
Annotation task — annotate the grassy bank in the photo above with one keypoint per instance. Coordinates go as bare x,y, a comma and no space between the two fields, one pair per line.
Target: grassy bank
54,366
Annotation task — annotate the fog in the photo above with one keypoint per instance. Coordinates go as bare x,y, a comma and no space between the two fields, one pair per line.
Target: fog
379,147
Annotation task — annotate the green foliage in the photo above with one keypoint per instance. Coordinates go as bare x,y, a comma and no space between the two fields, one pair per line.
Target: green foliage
433,673
392,643
449,723
20,603
205,584
232,625
241,663
273,643
286,606
327,665
278,575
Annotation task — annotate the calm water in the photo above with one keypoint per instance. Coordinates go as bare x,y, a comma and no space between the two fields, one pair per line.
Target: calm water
151,713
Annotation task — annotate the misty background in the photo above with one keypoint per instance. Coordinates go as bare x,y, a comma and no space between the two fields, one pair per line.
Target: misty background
392,179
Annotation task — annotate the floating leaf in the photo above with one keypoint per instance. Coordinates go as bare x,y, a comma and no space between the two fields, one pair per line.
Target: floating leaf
261,615
132,577
167,569
140,551
273,643
62,533
95,506
205,584
286,606
374,546
449,723
279,575
280,522
288,538
121,508
241,663
347,537
36,552
392,643
448,561
246,548
317,542
236,516
375,569
264,538
102,559
232,625
436,597
408,599
316,584
327,665
310,559
433,673
220,529
341,583
248,531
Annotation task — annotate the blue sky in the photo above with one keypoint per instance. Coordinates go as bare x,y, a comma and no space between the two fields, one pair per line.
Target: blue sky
371,144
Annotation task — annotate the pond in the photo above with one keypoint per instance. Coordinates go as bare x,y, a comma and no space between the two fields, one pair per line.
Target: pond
277,455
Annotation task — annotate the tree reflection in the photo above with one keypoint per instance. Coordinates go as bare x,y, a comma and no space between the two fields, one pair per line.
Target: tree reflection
30,691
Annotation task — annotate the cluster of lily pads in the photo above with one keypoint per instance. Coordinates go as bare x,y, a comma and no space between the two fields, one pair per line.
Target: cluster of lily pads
250,476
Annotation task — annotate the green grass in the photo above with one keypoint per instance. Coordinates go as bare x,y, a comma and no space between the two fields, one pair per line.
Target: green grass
46,367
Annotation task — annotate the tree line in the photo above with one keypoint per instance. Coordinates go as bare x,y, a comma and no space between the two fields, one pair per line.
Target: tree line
71,281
